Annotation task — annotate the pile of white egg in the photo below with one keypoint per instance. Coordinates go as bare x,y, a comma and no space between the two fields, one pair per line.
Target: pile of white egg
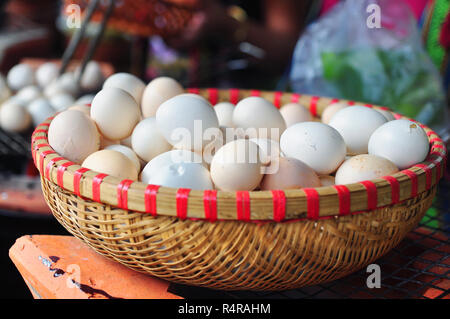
28,96
160,135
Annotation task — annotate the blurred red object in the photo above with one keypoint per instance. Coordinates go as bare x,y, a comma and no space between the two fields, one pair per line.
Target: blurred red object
143,17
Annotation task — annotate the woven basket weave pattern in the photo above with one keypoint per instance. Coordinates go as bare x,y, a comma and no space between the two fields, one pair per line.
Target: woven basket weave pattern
318,234
236,255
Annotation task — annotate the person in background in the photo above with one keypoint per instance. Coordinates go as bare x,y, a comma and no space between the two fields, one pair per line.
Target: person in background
246,44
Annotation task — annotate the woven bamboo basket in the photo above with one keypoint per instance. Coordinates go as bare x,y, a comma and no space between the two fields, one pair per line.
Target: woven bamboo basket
260,240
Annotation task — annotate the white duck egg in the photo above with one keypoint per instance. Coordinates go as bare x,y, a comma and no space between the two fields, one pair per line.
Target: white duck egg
40,110
157,92
115,112
147,140
73,135
295,113
259,118
20,76
46,73
316,144
167,158
128,152
183,175
14,117
224,112
403,142
356,124
127,82
364,167
185,119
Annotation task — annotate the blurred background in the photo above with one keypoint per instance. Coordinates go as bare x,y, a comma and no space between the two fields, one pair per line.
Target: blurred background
393,54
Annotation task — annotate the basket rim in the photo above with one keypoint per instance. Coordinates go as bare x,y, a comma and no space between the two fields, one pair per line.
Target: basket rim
274,205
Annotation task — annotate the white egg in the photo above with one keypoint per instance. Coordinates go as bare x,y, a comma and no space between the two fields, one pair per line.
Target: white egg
364,167
330,110
127,82
183,175
403,142
295,113
46,73
157,92
147,141
112,163
40,110
316,144
20,76
224,112
356,124
259,118
291,173
62,101
28,94
115,112
14,117
85,99
167,158
73,135
128,152
388,115
184,121
236,166
92,78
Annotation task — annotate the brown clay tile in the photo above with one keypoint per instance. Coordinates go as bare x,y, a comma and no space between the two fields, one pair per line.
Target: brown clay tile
62,267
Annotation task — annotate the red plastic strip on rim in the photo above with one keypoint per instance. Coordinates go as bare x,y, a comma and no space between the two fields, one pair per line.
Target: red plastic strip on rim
334,101
435,139
150,199
234,96
367,105
372,199
77,178
312,203
39,138
243,205
351,102
397,116
210,204
193,90
213,95
295,97
98,179
438,146
122,193
413,177
279,205
344,199
46,124
384,108
277,99
313,105
60,173
43,155
255,92
50,164
427,171
395,188
182,199
41,130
